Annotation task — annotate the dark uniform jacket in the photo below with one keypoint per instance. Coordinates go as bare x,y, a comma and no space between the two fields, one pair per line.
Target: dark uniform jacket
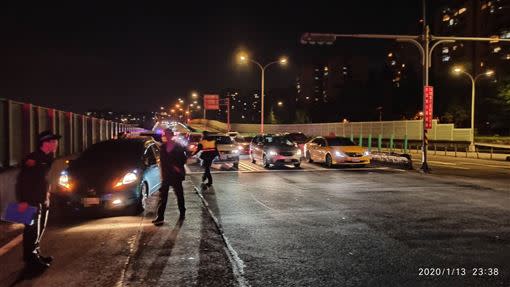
32,183
206,152
172,162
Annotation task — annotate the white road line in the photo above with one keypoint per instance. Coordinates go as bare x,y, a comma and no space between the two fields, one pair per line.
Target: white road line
440,162
261,203
11,244
237,263
449,164
486,165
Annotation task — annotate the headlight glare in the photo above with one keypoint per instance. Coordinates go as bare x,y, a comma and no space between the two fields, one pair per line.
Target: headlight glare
339,154
128,178
64,181
272,153
366,153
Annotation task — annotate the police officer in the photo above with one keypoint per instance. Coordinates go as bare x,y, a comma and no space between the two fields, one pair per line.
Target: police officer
172,160
207,147
32,188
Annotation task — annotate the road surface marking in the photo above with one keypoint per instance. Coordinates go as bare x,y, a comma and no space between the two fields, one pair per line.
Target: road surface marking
487,165
11,244
448,164
236,262
261,203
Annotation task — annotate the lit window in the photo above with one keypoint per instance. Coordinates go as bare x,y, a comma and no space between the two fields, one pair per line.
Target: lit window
446,18
403,65
454,47
316,99
445,50
307,98
390,55
345,73
325,73
393,63
496,49
445,58
325,68
452,22
316,70
462,10
316,78
507,57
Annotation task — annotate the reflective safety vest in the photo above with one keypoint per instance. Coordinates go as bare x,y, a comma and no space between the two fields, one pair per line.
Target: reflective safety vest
208,145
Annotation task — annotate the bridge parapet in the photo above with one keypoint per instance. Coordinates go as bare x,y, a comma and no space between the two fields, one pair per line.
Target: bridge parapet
21,122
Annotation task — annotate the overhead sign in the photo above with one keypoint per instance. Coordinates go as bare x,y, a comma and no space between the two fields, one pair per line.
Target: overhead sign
429,106
211,102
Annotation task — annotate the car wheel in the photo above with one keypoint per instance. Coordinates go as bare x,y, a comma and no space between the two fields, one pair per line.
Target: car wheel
328,161
236,165
297,165
309,157
266,162
142,199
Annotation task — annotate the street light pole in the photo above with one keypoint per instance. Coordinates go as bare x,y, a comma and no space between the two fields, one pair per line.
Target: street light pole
473,95
262,81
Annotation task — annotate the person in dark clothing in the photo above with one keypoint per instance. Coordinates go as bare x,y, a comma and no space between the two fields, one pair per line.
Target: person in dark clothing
32,188
172,160
208,151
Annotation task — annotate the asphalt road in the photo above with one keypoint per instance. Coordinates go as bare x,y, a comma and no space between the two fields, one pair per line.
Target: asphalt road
306,227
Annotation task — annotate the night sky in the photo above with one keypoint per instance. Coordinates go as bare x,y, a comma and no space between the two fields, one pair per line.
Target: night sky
137,56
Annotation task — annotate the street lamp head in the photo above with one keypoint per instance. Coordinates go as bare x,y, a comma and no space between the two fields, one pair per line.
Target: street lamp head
242,57
177,105
283,61
194,95
280,103
458,69
489,73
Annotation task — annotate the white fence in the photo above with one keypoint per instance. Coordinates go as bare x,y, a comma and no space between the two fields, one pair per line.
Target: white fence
387,129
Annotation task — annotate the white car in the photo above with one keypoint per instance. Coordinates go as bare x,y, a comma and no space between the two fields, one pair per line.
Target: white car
229,150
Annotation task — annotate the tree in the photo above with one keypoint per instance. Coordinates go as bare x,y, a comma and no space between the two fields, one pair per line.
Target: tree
499,117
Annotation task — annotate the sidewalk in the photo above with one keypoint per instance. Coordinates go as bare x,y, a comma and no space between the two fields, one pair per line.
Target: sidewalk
9,231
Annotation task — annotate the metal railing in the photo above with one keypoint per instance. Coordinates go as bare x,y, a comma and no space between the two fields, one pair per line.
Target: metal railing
20,123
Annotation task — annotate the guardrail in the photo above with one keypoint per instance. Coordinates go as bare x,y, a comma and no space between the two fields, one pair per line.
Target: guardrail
20,123
402,136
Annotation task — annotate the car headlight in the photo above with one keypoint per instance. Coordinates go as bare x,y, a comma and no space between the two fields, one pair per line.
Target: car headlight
366,153
240,147
339,154
65,181
272,153
236,151
128,178
298,152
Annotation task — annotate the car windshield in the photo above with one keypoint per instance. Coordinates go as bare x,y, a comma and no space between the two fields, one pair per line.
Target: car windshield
115,151
278,140
297,137
340,142
223,140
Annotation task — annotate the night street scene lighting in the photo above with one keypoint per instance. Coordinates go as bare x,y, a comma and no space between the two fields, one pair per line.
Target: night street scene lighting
276,143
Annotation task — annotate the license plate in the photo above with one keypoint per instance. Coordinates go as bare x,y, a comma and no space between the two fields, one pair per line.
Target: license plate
90,201
288,160
355,160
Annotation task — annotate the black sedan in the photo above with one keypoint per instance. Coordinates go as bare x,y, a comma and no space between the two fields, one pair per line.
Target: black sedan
111,175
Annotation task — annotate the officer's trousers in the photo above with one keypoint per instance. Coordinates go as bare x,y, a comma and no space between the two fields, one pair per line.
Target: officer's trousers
163,196
32,234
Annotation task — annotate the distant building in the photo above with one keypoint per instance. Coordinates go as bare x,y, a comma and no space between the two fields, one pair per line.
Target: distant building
483,18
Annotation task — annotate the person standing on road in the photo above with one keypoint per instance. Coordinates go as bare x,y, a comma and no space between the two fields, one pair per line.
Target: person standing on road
207,147
32,188
172,160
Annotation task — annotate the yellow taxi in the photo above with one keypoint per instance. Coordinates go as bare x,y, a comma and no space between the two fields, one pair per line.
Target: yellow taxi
335,150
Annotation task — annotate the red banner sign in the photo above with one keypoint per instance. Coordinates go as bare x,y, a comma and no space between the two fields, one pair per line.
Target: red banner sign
429,106
211,102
